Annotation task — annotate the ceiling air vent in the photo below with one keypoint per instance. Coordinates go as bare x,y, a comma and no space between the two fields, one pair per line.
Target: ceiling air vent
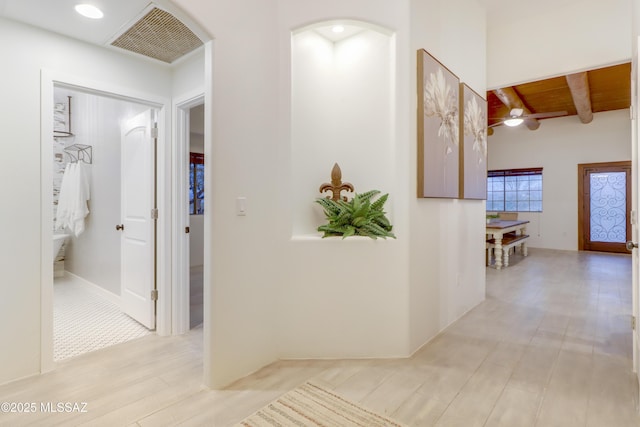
158,35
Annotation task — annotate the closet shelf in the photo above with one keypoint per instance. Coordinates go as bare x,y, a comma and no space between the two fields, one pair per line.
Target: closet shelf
63,133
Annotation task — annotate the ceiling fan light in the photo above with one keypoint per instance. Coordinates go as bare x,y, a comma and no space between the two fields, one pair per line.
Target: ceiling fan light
514,121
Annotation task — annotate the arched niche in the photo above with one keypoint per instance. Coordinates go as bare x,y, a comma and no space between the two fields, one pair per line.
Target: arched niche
342,110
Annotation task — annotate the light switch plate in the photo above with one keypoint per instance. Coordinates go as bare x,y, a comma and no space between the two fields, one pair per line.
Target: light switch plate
241,206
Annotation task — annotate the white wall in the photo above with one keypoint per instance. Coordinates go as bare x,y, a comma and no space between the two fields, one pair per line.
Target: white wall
188,81
558,146
349,298
328,298
196,240
196,222
573,35
243,161
30,51
196,141
95,254
95,123
444,232
341,112
188,74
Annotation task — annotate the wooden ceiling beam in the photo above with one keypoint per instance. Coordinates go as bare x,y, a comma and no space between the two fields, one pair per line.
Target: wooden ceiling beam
579,87
510,98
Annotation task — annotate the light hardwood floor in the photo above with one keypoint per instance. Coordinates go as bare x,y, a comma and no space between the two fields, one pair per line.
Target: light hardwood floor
551,346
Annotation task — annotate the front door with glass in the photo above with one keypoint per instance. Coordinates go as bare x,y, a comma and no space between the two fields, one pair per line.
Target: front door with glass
604,206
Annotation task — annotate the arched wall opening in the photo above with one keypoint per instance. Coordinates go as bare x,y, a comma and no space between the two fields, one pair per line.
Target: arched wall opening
342,110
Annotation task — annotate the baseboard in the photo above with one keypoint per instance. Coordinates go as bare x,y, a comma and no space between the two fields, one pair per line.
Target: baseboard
102,292
36,374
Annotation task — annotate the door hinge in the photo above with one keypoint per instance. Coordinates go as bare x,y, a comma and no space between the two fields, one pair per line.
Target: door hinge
633,323
154,213
154,132
154,295
187,230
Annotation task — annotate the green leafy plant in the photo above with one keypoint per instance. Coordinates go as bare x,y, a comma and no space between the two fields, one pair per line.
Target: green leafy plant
359,216
492,217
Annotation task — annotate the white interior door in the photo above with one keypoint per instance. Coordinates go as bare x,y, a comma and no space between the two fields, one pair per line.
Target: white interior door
635,162
138,223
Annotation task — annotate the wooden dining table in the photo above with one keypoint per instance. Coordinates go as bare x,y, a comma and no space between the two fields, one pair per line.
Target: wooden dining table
496,229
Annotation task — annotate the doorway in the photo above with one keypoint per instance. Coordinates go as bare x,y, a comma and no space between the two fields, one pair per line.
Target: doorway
604,206
101,155
90,297
196,215
189,213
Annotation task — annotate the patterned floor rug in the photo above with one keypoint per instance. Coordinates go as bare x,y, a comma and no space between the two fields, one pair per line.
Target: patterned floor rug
311,405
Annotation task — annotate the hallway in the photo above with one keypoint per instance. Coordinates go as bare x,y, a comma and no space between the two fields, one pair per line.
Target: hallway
550,346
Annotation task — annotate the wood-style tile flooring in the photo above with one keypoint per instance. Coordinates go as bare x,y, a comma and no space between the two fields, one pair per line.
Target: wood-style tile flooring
550,346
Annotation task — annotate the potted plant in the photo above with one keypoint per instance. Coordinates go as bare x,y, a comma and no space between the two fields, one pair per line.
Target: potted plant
491,217
359,216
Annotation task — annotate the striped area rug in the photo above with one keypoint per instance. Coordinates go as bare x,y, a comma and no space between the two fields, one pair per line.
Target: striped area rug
311,405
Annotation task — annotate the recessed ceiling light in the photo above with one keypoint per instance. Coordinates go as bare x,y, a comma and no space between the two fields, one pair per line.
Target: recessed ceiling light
337,28
89,11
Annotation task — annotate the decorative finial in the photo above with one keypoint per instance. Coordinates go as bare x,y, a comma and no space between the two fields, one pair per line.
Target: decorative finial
336,185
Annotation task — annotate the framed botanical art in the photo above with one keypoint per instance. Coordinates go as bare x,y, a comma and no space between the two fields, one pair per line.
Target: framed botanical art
438,129
473,144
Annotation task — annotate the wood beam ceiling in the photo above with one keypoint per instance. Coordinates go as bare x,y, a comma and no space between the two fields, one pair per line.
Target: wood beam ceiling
582,94
579,87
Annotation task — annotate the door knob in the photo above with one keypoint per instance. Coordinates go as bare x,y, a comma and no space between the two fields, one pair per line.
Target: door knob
119,227
631,245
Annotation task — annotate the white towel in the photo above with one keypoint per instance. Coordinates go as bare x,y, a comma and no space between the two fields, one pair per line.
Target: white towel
72,202
64,208
82,195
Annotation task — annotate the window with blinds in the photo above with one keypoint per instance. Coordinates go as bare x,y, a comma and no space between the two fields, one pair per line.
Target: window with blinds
514,190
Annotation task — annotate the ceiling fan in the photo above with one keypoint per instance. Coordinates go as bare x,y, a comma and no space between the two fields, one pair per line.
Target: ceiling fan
517,117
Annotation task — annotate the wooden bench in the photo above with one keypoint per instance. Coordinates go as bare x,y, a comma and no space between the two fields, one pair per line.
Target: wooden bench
508,241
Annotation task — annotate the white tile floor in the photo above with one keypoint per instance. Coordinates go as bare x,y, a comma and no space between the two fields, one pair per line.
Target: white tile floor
83,321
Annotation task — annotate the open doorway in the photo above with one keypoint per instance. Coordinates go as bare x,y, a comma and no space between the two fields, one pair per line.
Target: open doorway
196,215
92,260
93,172
189,212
